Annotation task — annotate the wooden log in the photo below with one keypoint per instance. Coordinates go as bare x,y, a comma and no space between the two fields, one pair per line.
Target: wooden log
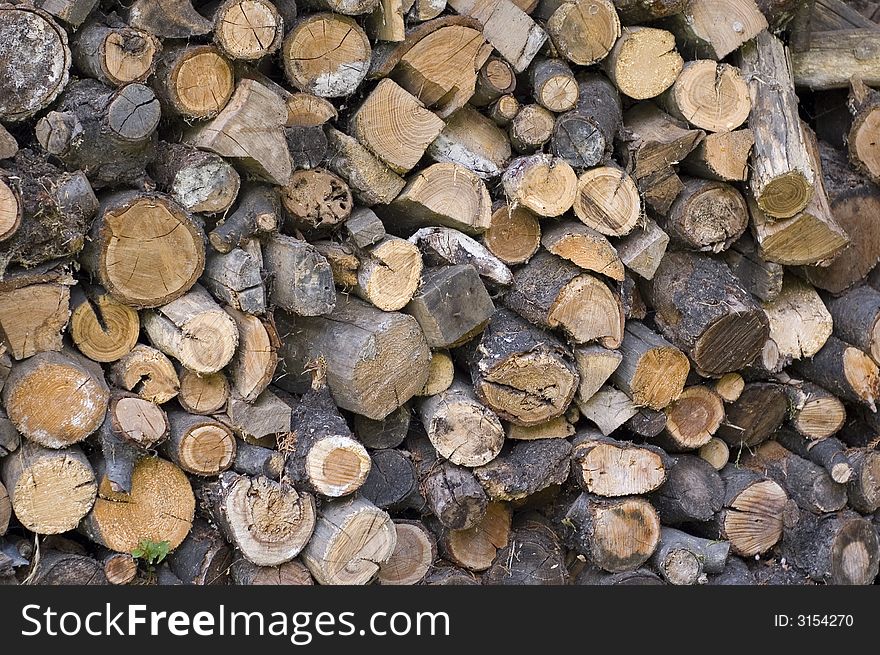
247,29
533,555
254,460
56,398
49,490
713,28
235,278
551,292
706,216
814,412
692,492
261,421
761,278
115,55
863,488
36,58
856,316
719,338
388,432
652,371
593,576
443,246
642,249
476,548
258,212
203,395
316,200
799,322
199,181
352,538
542,183
119,568
301,278
203,558
553,84
495,79
634,12
581,33
864,103
722,156
269,522
595,365
611,468
347,7
176,21
57,568
72,12
441,373
585,136
392,482
472,140
253,365
8,145
386,22
608,409
683,559
708,95
617,534
363,228
829,453
514,234
461,429
326,55
527,468
160,507
584,247
834,57
755,415
504,110
837,15
414,554
715,452
33,317
146,372
247,573
557,428
5,509
136,421
691,419
844,370
388,273
194,81
201,446
307,110
643,62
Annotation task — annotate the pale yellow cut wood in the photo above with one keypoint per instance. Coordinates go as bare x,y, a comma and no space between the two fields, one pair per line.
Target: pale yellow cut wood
146,372
441,372
255,359
202,394
643,62
103,328
514,234
248,29
608,201
32,318
542,183
585,247
709,95
800,324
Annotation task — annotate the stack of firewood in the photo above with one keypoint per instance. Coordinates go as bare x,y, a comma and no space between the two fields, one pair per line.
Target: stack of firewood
439,291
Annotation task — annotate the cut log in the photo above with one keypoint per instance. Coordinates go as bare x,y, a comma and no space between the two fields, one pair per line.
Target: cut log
392,482
584,247
642,249
49,490
863,489
5,509
72,12
706,216
716,452
370,180
115,55
652,371
533,555
258,212
647,423
683,559
692,419
504,110
254,460
643,62
608,409
856,316
302,282
495,79
200,181
255,360
316,200
710,96
814,412
442,246
388,432
199,445
542,183
527,468
714,28
56,398
514,234
248,29
441,373
729,386
8,145
557,428
307,110
247,573
844,370
160,507
235,278
363,228
119,568
608,201
203,558
477,547
633,12
606,467
261,421
834,57
583,32
203,395
33,317
799,322
595,365
146,372
723,156
326,54
63,569
693,491
386,22
194,81
348,7
36,61
828,453
136,421
352,538
388,273
756,415
584,137
473,141
553,84
762,278
178,20
269,522
864,103
461,429
413,556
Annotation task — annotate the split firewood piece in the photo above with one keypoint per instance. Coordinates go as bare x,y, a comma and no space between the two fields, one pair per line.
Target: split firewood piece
194,330
108,134
729,386
316,200
386,22
706,216
475,548
595,365
393,481
692,493
508,28
723,156
36,61
199,445
115,55
607,467
864,103
655,141
714,28
799,322
472,140
542,183
160,258
269,522
235,278
585,247
844,370
5,509
810,486
249,130
814,412
395,126
443,246
829,453
712,318
460,427
307,110
710,96
756,415
557,428
301,279
442,194
782,179
369,179
119,568
582,31
495,79
204,557
683,559
261,421
642,249
326,459
248,29
327,55
72,12
258,212
608,409
352,538
652,371
202,394
514,234
8,144
607,201
634,12
856,317
584,137
246,573
451,305
174,20
160,507
386,433
146,372
643,62
376,361
254,460
835,549
762,278
504,110
527,468
834,57
452,493
137,421
552,292
553,84
56,398
200,181
441,373
388,273
253,365
534,555
863,488
363,228
691,419
617,534
34,310
49,490
716,452
413,556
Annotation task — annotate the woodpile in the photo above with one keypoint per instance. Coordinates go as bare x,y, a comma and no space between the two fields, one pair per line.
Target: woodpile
440,292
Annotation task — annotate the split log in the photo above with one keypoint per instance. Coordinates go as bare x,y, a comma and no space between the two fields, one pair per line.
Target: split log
385,433
533,556
863,489
269,522
352,538
552,292
443,246
472,140
856,316
708,95
607,201
814,412
363,228
248,29
102,328
723,156
834,57
63,569
495,79
8,145
514,234
606,467
72,12
199,445
844,370
706,216
729,386
643,62
451,306
261,421
714,28
203,558
253,365
386,22
388,273
762,278
683,559
302,282
652,371
755,415
527,468
542,183
557,428
828,453
441,373
864,103
608,409
316,200
582,33
235,278
254,460
712,318
504,110
642,249
307,110
584,247
715,452
146,372
595,365
33,317
413,556
476,548
136,421
799,322
173,21
247,573
200,181
691,419
693,491
115,55
392,482
49,490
